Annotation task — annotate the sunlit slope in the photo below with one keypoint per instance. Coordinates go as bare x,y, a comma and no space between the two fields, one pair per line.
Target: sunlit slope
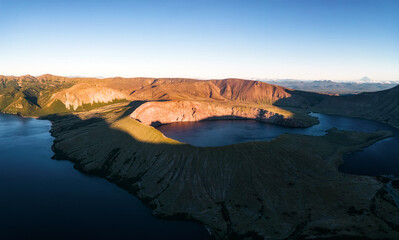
46,94
49,94
157,113
28,95
156,88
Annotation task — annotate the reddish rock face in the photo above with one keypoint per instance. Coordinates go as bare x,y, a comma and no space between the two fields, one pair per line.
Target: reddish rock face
157,113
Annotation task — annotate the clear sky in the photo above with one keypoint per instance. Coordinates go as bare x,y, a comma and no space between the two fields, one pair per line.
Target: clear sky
306,39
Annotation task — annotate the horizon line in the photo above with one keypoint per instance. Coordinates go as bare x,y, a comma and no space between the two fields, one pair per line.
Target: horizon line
262,79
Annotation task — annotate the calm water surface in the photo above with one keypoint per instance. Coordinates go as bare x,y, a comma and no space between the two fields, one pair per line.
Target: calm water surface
43,198
380,158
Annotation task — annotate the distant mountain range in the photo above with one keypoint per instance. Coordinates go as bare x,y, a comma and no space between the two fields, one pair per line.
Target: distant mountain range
364,84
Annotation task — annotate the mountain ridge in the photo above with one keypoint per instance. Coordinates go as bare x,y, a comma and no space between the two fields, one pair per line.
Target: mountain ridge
70,94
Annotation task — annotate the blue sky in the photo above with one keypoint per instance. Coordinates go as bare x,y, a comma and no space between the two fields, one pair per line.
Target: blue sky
307,39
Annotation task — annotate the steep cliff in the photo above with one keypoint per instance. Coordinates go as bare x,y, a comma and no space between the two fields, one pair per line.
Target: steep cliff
84,93
157,113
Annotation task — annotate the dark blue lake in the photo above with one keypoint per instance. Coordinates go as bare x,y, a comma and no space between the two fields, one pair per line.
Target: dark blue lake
380,158
43,198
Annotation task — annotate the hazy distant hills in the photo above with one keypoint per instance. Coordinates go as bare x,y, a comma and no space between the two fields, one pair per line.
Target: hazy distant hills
331,87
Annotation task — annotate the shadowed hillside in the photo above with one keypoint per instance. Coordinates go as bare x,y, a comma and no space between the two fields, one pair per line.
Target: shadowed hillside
287,188
381,106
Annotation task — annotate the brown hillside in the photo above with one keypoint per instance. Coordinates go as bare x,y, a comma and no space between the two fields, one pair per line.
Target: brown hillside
250,91
76,92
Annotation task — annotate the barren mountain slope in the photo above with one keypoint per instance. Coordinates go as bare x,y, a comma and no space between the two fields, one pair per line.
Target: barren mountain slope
250,91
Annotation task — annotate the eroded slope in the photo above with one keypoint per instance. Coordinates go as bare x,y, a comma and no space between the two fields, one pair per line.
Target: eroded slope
157,113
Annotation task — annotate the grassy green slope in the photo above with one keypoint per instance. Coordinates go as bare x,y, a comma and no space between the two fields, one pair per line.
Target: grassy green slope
35,98
30,98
